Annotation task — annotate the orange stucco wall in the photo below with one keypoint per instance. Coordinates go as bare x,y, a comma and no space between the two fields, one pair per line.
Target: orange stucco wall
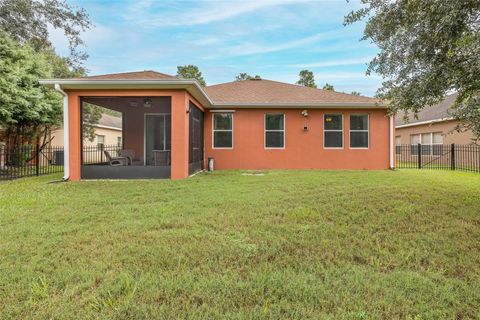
303,149
179,107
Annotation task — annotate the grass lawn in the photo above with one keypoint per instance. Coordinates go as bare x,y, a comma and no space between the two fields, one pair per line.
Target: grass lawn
290,244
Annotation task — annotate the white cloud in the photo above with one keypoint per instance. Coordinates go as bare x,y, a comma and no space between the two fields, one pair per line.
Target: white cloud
246,49
210,11
345,75
333,63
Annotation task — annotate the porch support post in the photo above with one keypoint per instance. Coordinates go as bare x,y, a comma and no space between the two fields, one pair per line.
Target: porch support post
179,149
66,154
74,122
392,142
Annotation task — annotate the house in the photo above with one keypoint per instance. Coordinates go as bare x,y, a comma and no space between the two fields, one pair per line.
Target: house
108,131
171,126
434,126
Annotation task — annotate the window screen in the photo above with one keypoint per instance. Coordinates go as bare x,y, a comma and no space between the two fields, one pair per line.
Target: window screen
333,130
359,131
274,131
223,130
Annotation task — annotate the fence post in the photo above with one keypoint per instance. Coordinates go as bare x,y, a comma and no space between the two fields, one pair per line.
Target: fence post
452,156
419,155
102,147
37,160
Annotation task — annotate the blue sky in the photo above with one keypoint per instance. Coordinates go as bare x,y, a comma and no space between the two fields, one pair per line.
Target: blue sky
272,38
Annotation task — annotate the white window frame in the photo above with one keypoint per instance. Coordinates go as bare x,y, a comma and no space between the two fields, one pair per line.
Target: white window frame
103,138
221,130
265,130
367,131
324,130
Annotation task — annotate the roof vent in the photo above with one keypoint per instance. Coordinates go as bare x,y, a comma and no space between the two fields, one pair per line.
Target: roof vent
256,78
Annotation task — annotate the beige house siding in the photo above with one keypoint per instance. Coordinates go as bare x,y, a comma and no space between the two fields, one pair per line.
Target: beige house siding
447,128
111,136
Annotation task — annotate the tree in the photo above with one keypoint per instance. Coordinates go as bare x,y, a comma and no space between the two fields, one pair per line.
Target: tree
27,21
243,76
306,79
91,116
191,72
27,109
355,93
328,86
427,48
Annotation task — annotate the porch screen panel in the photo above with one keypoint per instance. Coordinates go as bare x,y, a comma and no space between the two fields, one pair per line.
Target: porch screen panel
195,154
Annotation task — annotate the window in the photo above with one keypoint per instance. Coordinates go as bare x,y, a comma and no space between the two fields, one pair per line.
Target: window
333,131
274,131
414,140
398,144
223,130
437,143
100,141
359,131
119,141
431,143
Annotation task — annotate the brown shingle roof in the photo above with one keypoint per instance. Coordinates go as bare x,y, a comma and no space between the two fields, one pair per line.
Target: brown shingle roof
251,92
110,121
135,75
436,112
268,92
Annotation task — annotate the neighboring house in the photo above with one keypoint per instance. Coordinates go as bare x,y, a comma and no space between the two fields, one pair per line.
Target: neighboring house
172,126
434,126
108,131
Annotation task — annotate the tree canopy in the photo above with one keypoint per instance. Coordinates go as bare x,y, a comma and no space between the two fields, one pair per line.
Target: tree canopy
243,76
27,109
427,49
27,21
307,79
328,86
191,72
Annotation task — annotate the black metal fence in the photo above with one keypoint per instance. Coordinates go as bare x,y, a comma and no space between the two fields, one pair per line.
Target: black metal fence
99,153
463,157
30,161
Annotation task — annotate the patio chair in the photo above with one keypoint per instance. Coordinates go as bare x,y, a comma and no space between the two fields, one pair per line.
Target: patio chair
115,161
161,157
130,155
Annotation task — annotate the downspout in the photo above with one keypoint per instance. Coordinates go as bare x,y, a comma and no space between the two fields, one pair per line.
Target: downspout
392,127
66,142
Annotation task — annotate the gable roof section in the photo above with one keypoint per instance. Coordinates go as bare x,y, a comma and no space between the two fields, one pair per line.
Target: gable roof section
260,91
110,121
435,113
255,93
135,75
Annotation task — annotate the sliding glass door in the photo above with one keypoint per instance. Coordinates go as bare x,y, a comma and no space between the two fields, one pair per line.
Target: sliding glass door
157,139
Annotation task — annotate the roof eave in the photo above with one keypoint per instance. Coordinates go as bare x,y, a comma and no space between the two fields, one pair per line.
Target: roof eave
322,105
196,90
420,123
192,86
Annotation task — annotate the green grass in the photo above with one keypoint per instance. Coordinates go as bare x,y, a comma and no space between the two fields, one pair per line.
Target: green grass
290,244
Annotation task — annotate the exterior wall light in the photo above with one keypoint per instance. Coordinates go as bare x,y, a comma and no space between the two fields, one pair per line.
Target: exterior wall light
147,102
305,115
